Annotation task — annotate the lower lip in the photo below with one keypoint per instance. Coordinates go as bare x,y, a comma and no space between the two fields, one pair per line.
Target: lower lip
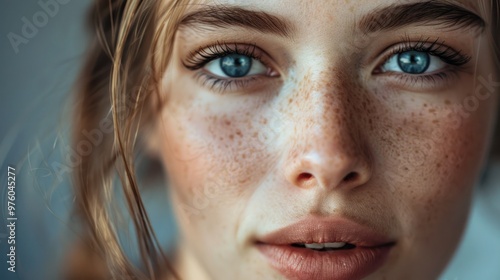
302,263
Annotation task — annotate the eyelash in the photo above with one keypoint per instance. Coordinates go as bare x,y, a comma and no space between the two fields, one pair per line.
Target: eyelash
203,55
436,48
200,57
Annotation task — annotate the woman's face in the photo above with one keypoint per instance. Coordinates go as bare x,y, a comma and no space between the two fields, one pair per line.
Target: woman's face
359,127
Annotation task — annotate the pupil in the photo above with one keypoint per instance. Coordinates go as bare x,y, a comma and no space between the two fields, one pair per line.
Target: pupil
414,62
236,65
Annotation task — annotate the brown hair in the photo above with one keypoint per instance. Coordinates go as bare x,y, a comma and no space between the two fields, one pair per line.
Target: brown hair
114,86
130,46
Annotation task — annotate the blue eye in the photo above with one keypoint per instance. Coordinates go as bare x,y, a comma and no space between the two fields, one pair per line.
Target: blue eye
235,66
413,63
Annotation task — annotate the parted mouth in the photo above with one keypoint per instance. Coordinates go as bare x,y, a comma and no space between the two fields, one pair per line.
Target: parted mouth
326,234
330,246
325,248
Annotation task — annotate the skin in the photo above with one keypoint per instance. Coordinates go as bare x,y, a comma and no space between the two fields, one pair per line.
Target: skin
245,162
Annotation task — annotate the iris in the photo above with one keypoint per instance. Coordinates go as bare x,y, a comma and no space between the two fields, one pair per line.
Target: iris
414,62
236,65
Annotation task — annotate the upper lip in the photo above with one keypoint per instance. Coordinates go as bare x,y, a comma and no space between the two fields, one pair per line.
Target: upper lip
327,230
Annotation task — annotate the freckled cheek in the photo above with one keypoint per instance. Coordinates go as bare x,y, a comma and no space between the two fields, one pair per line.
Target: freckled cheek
436,169
435,206
464,145
218,155
183,157
240,151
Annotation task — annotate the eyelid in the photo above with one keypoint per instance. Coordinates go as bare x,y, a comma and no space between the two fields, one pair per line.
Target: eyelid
200,57
455,62
436,48
222,75
432,68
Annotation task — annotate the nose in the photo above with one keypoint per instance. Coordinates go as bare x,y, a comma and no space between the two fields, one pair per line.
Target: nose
317,168
327,144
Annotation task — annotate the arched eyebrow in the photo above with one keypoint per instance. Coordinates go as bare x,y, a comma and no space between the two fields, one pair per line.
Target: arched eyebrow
427,13
223,16
430,12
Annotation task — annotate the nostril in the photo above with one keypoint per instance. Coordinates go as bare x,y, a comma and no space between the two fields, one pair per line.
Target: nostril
351,177
304,177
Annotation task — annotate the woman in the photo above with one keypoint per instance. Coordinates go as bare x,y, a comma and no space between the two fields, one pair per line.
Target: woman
301,140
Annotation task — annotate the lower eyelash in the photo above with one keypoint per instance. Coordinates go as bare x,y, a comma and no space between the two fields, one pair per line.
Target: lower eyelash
454,59
202,56
424,80
221,84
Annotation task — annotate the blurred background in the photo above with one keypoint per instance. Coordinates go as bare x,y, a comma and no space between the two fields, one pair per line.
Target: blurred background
42,48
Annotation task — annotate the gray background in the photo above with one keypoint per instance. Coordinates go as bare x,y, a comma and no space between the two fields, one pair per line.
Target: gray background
35,102
36,83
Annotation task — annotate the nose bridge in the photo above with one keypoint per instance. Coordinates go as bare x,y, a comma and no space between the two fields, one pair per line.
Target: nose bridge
326,116
326,145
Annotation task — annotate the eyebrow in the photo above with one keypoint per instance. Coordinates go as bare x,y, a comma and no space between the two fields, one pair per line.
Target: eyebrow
431,12
221,16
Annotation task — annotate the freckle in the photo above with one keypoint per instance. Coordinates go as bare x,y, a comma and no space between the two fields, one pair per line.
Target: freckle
255,134
447,102
264,121
227,122
238,132
290,100
432,110
435,121
425,104
438,165
231,137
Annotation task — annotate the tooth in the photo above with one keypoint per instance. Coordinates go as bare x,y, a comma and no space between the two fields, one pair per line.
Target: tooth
314,246
335,245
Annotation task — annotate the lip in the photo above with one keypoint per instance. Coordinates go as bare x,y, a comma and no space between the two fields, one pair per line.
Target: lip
370,252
